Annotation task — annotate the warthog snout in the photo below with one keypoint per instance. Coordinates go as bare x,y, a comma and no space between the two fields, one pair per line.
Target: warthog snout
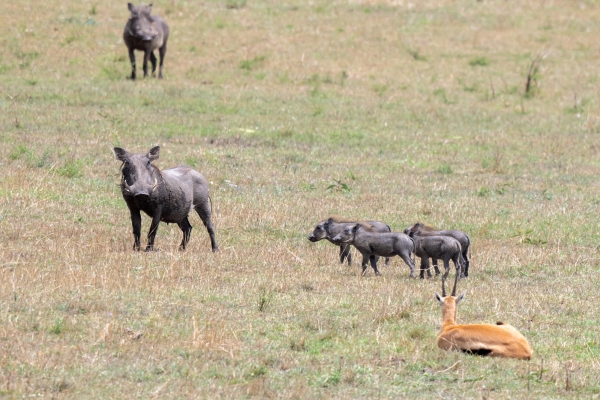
312,238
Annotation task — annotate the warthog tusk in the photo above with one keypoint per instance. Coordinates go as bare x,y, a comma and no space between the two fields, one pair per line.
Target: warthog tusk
155,184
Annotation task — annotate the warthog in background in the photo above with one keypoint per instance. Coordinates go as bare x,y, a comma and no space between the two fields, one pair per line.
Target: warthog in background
147,33
371,244
168,195
463,239
334,225
445,248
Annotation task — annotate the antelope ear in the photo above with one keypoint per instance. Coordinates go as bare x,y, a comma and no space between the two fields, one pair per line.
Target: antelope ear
439,299
461,297
153,153
121,154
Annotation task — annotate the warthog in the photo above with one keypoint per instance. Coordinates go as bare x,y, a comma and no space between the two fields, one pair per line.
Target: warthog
372,244
445,248
147,33
168,195
334,225
463,239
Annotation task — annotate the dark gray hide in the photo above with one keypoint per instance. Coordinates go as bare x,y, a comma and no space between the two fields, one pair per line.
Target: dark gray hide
445,248
462,238
147,33
329,228
168,195
372,244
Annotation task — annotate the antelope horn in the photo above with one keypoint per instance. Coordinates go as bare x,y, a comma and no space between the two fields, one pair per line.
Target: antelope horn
455,281
443,287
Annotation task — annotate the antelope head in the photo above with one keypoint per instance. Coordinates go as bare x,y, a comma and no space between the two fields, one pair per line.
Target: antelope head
449,303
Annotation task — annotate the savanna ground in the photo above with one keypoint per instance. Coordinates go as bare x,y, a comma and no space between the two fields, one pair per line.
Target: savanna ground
391,110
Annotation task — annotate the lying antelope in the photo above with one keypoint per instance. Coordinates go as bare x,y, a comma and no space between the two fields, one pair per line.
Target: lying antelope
500,340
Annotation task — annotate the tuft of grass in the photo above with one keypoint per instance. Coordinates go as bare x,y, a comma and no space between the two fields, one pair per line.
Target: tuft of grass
71,169
249,65
416,55
418,333
444,168
339,186
21,151
265,297
235,4
479,62
58,326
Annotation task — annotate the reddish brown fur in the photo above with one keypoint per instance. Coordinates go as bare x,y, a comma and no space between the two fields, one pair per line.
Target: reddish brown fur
341,220
425,227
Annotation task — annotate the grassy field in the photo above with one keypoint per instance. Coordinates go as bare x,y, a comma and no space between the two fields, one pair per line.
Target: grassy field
392,110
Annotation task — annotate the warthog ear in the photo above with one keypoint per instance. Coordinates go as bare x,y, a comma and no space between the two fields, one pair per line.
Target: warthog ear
130,6
149,8
121,154
355,228
153,153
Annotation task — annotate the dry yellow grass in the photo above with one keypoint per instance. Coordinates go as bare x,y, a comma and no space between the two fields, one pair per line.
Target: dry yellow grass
417,107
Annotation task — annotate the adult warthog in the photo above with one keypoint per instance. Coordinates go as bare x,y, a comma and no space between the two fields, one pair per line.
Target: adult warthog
334,225
168,195
445,248
371,244
463,239
147,33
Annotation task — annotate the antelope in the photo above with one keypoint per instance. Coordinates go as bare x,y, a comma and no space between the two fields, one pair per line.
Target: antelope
500,340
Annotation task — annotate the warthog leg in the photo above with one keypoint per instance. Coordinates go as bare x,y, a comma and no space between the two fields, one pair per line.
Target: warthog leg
373,260
153,61
153,229
186,227
161,53
464,261
409,262
145,64
204,212
345,253
364,264
425,267
435,266
132,60
136,222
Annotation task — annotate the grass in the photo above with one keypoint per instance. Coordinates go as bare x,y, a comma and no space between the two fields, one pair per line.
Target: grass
376,110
